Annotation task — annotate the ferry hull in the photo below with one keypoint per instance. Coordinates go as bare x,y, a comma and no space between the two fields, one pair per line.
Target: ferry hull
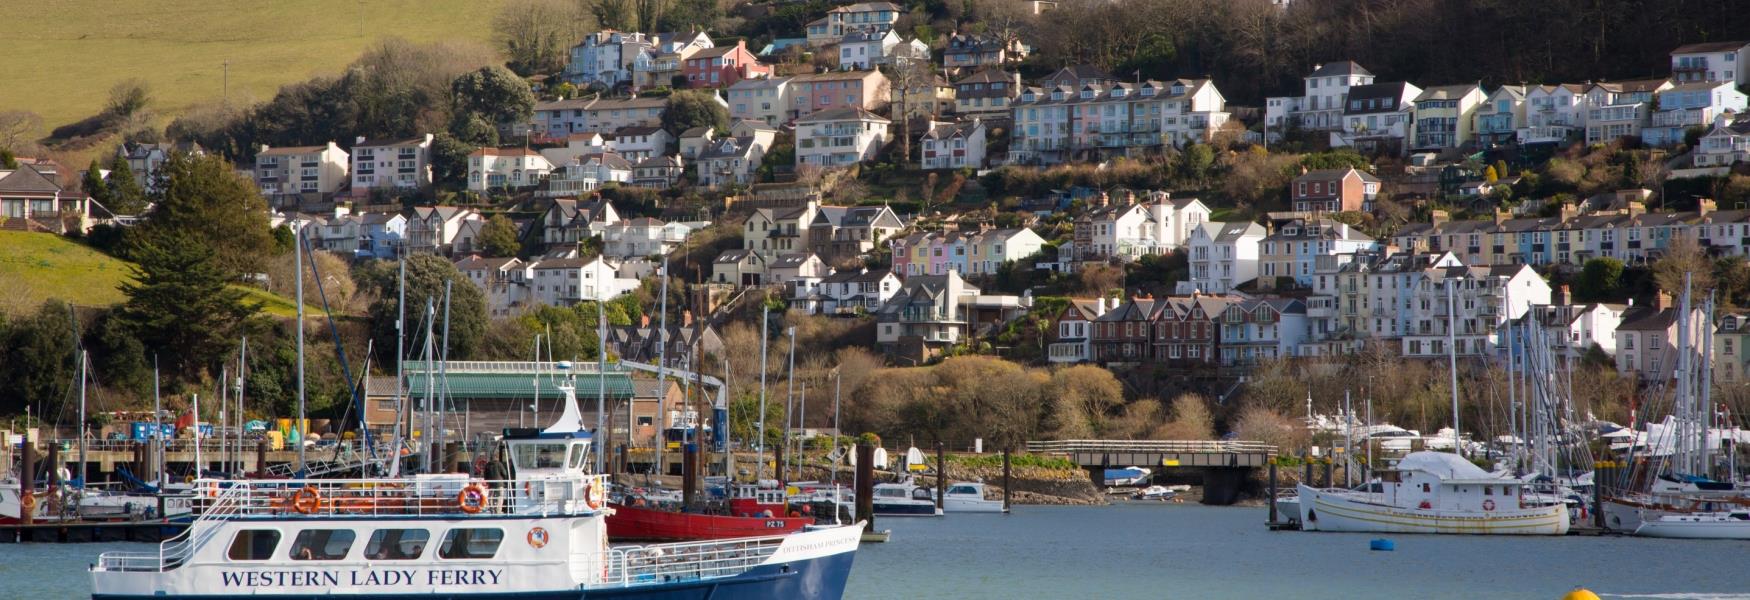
820,578
1323,511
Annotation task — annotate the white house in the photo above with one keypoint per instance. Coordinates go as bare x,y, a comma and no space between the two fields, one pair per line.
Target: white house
434,229
1689,105
765,99
1620,109
506,168
1324,96
839,137
1129,230
1727,144
1223,256
1553,113
504,281
1378,118
640,142
729,161
658,172
1711,62
852,291
1486,298
568,281
577,145
560,118
642,237
1445,116
588,174
866,49
395,165
953,145
290,172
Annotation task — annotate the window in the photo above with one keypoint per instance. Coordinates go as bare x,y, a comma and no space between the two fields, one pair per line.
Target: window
322,544
253,544
471,543
539,456
396,544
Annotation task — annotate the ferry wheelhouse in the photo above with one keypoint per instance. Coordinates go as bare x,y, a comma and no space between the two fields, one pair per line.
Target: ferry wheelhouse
540,534
1432,492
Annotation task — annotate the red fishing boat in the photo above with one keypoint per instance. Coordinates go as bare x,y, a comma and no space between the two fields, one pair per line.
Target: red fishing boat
631,524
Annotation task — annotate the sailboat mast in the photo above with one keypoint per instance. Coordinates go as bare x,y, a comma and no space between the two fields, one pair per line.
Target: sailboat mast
83,360
298,279
224,416
790,399
760,442
661,336
443,396
1685,388
1706,412
838,384
1512,362
400,366
430,388
198,465
601,378
1452,358
157,424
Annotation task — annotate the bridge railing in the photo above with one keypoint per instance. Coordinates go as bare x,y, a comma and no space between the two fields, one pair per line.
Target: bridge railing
1180,446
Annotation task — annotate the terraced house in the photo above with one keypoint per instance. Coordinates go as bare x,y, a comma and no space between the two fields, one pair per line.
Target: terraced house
1630,234
1101,120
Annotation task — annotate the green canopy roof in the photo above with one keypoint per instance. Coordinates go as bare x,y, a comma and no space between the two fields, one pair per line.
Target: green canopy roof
512,383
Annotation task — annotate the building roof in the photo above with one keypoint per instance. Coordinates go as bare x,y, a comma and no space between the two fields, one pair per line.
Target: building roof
1324,174
517,151
1448,92
987,76
867,7
602,104
727,148
844,113
27,180
792,261
1347,67
1702,47
1390,93
271,151
1647,318
833,76
382,142
951,130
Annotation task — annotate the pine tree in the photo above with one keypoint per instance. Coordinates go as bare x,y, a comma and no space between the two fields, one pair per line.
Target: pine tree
180,306
95,186
124,192
498,237
203,197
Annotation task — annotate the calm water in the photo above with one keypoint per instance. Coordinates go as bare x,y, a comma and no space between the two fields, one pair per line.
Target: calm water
1175,551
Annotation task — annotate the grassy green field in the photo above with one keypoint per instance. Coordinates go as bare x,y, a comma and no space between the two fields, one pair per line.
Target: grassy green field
38,266
61,57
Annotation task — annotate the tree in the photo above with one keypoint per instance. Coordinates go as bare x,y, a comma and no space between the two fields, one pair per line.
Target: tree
426,276
204,198
449,159
498,237
1191,420
127,98
1195,161
40,353
1600,280
7,159
1490,175
536,34
694,108
1684,256
494,93
180,305
1083,400
16,127
692,15
122,190
473,130
93,185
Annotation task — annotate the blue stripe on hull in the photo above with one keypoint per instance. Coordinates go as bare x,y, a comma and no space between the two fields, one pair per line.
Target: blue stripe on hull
816,579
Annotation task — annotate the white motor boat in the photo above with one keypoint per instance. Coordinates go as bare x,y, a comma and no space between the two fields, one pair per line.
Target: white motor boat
1432,492
1732,525
1156,492
903,500
969,498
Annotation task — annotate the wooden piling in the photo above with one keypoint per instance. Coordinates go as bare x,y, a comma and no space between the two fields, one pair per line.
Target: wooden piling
1328,468
27,476
1272,490
261,459
1006,481
865,485
941,473
778,461
1306,466
689,471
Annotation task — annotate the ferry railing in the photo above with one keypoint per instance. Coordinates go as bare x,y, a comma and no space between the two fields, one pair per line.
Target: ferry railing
686,561
181,547
436,494
1186,446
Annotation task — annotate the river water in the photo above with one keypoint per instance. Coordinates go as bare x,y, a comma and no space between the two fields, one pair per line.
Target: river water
1174,551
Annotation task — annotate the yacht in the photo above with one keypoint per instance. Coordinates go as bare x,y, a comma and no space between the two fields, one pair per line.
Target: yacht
969,498
1127,476
540,534
1731,525
1432,492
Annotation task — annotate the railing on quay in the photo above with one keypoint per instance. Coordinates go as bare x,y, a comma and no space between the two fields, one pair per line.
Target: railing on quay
1179,446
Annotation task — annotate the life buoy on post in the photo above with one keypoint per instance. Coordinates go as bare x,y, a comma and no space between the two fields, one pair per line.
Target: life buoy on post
28,501
1488,505
307,500
472,498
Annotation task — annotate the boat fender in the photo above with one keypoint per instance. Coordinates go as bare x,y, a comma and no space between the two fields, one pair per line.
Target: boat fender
1381,545
795,514
472,498
307,500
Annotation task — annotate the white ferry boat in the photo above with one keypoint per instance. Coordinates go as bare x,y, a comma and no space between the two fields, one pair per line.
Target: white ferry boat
1432,492
540,535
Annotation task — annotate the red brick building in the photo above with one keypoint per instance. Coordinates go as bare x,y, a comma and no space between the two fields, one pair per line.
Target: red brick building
1333,190
723,66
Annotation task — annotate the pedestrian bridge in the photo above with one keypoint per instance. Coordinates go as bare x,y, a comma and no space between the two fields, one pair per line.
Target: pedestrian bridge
1223,465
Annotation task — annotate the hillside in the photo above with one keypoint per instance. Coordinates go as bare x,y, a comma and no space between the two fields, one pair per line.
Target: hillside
38,266
62,57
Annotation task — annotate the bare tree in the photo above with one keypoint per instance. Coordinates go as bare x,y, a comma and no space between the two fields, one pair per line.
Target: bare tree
535,34
16,127
909,77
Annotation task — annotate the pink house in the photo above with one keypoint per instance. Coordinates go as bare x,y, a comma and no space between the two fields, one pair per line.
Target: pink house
816,92
723,66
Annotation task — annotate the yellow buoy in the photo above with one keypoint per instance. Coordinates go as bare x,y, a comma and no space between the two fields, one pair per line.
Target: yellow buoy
1580,594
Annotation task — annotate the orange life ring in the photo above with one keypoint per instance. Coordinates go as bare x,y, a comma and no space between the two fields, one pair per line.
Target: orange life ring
28,500
538,537
307,500
592,496
472,498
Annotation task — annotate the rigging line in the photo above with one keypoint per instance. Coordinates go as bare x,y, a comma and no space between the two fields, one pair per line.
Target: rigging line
339,348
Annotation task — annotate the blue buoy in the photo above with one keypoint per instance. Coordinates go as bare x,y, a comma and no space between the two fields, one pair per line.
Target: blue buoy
1381,545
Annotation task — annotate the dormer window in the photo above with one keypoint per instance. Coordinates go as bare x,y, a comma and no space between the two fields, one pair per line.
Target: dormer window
1087,94
1148,91
1116,92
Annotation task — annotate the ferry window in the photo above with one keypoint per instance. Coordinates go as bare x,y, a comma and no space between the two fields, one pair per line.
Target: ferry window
577,455
254,544
322,544
471,543
539,456
396,544
1488,490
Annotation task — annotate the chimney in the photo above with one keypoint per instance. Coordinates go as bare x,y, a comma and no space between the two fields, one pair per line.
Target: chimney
1563,297
1130,197
358,140
1705,206
1636,208
1661,300
1500,216
1569,211
1105,199
644,321
1439,217
687,317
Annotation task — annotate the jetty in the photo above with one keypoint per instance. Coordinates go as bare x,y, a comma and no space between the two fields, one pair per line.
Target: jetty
1223,466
